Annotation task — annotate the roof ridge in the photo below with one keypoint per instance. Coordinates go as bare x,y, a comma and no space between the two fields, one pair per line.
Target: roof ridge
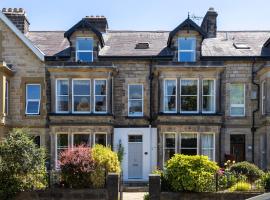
244,31
136,31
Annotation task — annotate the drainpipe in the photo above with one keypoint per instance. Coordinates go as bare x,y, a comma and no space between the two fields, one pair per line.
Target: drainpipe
150,109
253,128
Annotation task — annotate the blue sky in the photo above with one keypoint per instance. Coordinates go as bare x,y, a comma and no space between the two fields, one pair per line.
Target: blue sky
143,14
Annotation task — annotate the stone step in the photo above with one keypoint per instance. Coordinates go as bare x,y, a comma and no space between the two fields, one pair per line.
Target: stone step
135,189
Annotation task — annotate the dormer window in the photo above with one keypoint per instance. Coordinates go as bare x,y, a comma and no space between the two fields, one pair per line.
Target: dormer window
84,49
186,49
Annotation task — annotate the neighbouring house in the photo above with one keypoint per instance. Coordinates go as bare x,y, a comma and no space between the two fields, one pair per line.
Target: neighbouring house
192,90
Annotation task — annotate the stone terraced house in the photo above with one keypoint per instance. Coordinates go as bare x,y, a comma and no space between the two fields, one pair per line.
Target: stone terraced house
192,90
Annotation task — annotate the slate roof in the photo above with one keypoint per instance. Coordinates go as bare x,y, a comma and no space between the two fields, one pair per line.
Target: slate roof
122,43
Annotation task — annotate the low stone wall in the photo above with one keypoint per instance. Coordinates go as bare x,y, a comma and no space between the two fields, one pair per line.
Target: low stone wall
155,193
207,196
111,192
65,194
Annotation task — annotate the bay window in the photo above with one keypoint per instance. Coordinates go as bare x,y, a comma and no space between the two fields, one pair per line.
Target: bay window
84,49
81,96
186,49
169,143
189,96
33,95
170,96
135,100
189,144
208,96
100,96
62,95
237,99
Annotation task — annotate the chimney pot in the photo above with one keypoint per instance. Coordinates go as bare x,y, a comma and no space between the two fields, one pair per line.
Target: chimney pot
99,22
9,9
209,23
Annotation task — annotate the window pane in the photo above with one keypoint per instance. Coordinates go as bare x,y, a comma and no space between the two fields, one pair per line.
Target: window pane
62,87
189,151
84,44
189,87
170,103
33,91
100,139
81,103
32,107
81,139
85,56
135,107
188,140
209,153
62,140
135,138
135,91
100,103
169,141
237,93
62,104
208,104
208,87
170,87
187,43
81,87
186,56
168,154
6,98
100,87
237,111
207,140
189,103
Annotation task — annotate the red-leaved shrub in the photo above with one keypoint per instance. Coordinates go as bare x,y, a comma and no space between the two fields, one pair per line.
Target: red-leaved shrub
76,166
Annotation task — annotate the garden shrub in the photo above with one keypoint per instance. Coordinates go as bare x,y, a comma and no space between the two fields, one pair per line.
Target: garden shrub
248,169
227,179
240,186
265,181
76,166
146,197
22,164
105,161
191,173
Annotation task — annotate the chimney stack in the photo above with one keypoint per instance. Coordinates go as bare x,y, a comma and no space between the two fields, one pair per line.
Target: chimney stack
99,22
209,23
18,17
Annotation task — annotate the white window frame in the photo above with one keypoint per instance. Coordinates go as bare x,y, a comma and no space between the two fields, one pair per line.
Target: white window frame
84,51
238,105
198,96
80,133
214,95
165,95
56,147
103,112
187,51
198,141
32,100
81,79
136,115
164,145
57,95
214,144
263,97
101,133
7,98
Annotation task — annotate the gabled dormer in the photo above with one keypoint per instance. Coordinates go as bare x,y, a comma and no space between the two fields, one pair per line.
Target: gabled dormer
186,39
86,38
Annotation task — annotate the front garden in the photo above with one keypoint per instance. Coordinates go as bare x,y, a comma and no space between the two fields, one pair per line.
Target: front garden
22,167
197,174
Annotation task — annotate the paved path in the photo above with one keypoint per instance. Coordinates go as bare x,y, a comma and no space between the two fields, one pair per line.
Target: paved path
133,195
